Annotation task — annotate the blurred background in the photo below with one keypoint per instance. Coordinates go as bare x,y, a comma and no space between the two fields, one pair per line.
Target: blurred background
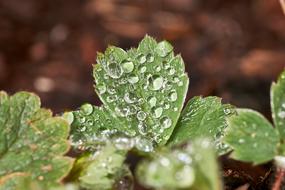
232,48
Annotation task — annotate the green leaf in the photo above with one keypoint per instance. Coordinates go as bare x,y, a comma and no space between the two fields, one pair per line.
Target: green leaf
252,137
278,104
202,117
144,88
93,127
102,169
193,166
32,142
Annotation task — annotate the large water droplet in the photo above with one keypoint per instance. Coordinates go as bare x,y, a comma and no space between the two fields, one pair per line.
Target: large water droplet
165,122
111,98
149,58
157,112
87,109
114,70
141,115
152,101
123,143
171,71
172,96
130,97
144,144
133,79
142,58
155,82
101,88
163,48
122,111
128,66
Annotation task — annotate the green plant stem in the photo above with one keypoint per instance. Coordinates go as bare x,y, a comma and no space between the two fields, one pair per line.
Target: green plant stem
278,179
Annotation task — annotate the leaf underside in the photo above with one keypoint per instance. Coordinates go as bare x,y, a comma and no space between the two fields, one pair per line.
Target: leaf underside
32,142
144,88
278,104
202,117
251,136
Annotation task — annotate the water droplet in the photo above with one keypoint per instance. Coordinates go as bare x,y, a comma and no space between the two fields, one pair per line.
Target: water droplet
180,83
101,88
172,96
111,90
130,97
142,128
128,66
157,112
149,58
281,114
69,117
157,68
114,70
155,82
142,69
133,79
142,58
163,48
152,101
283,105
165,122
144,144
185,176
122,111
111,98
176,109
141,115
166,106
87,109
123,143
82,119
171,71
83,129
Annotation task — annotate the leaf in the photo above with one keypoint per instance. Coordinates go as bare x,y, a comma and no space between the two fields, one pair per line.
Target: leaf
278,104
93,127
193,166
202,117
252,137
32,142
144,88
101,170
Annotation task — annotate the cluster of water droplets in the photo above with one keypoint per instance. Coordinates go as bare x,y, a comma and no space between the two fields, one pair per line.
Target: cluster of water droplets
142,88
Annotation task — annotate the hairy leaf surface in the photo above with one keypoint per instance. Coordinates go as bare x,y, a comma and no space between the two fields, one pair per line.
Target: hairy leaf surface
202,117
32,142
252,137
278,104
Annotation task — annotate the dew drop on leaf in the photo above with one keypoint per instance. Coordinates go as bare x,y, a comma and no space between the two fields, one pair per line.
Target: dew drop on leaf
163,48
142,128
123,143
141,115
152,101
157,112
144,144
142,58
165,122
133,79
101,88
128,66
155,82
149,58
130,97
86,109
142,69
173,96
281,114
114,70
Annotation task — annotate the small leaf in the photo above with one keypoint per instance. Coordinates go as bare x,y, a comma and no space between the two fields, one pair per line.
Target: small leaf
32,142
248,131
101,170
278,104
202,117
193,166
144,88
